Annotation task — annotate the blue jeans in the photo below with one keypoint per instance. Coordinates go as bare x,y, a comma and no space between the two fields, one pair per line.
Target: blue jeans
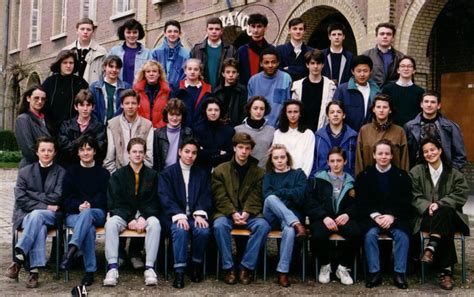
259,230
371,245
180,237
83,237
279,216
35,230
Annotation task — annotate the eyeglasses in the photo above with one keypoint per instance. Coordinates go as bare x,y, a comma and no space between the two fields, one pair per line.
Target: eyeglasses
406,66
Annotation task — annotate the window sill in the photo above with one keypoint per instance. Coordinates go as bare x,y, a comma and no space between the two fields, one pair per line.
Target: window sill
121,15
14,51
58,36
34,44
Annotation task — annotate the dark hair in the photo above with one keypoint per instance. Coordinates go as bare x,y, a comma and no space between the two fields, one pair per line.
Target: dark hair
248,106
243,138
432,93
84,95
172,23
337,150
412,60
86,21
63,55
338,103
212,100
173,106
438,145
47,139
230,62
284,123
386,98
189,140
83,140
336,26
296,21
385,25
362,60
315,55
257,18
214,21
132,24
129,93
112,58
269,165
136,140
25,105
270,51
385,142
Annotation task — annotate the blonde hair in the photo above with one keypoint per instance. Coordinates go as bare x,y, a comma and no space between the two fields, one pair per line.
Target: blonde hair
201,67
269,166
151,63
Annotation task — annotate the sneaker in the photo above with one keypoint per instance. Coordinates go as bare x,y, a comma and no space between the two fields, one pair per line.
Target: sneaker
343,274
325,274
111,278
150,277
137,262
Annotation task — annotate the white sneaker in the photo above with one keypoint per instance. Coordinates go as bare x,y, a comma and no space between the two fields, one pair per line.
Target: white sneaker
137,262
150,277
325,274
343,274
111,278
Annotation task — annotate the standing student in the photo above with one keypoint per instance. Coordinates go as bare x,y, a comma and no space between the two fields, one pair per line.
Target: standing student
30,124
131,52
271,83
212,52
90,55
107,90
292,53
338,60
315,91
172,54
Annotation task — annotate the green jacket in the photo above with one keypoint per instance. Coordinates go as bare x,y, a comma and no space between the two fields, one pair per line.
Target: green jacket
453,192
121,197
227,192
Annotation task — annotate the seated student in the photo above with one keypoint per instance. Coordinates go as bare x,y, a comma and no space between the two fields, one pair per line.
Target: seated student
293,134
439,194
231,93
214,136
358,93
185,197
315,91
85,204
30,124
383,198
38,194
153,89
82,124
193,90
256,125
107,90
167,140
330,207
335,133
283,194
381,128
271,83
237,192
133,204
292,53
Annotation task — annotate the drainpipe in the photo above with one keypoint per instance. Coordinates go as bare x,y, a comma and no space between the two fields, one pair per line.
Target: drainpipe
3,64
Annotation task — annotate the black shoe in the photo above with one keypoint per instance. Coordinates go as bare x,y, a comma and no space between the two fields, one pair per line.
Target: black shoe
178,282
400,281
196,274
68,258
373,280
88,279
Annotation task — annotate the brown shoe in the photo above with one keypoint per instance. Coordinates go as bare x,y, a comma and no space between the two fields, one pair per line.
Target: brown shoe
300,230
230,277
32,281
244,276
427,256
446,282
13,270
283,280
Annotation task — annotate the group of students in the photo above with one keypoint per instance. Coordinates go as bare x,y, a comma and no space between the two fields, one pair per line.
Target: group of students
196,143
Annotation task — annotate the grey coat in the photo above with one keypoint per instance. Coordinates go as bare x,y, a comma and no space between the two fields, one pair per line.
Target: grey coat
30,194
378,75
28,128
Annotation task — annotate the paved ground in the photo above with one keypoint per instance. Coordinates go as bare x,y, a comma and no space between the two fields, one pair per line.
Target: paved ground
131,282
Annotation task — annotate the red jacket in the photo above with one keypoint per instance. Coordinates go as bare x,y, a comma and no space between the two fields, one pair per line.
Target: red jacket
159,103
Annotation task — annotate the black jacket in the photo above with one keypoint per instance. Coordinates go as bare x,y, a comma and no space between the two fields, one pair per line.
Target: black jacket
237,102
161,146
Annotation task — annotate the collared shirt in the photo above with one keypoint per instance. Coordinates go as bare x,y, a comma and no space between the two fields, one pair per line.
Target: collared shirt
214,45
45,165
435,173
399,82
87,166
187,84
381,170
296,47
365,90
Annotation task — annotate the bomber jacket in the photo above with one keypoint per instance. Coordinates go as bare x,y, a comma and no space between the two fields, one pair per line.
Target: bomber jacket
161,145
155,115
142,56
345,69
238,100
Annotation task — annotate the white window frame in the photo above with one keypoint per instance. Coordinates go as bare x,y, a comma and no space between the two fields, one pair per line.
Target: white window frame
91,11
35,40
122,8
15,33
59,19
